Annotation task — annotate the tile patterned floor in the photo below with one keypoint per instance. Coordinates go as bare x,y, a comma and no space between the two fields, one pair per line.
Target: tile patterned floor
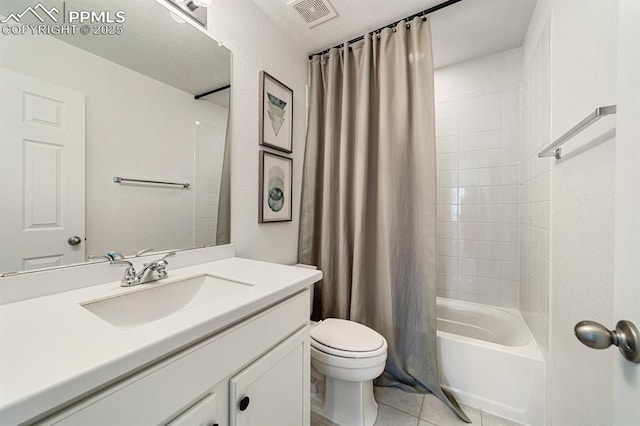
398,408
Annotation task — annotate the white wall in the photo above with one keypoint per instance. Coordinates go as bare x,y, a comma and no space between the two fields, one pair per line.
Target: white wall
581,58
583,76
626,392
477,144
258,44
136,127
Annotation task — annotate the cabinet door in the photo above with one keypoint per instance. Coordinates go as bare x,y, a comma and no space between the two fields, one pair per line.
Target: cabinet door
274,390
201,414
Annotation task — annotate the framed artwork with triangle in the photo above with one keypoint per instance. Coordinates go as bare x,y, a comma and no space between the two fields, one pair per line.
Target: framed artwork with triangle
276,114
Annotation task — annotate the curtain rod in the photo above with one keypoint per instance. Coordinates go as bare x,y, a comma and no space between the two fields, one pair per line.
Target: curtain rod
408,18
211,92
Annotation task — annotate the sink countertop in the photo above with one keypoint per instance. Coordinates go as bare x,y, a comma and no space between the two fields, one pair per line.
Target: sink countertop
54,350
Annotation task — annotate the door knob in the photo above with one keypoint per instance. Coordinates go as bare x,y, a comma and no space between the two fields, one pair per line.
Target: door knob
626,337
74,241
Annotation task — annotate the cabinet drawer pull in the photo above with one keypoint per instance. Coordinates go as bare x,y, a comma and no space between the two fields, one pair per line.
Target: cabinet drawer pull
244,403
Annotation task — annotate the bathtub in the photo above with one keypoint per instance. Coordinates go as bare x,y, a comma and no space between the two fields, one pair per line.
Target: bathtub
489,360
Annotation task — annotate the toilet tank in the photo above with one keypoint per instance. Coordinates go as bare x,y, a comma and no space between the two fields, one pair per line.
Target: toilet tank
302,265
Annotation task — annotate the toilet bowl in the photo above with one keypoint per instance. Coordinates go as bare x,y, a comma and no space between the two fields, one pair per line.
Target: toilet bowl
348,356
345,358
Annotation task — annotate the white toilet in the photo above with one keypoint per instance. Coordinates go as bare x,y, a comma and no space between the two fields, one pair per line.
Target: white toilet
349,356
345,358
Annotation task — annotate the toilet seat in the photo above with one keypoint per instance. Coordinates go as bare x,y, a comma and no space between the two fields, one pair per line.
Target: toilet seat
347,354
347,339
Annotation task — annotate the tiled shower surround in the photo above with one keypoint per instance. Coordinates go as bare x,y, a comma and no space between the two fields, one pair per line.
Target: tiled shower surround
535,194
478,174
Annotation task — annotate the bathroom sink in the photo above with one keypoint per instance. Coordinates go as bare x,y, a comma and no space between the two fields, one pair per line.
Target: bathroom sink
161,300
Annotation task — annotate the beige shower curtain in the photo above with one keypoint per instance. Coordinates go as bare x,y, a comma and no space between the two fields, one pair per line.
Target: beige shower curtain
223,228
368,217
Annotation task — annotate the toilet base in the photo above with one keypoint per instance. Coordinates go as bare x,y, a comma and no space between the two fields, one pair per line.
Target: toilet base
346,403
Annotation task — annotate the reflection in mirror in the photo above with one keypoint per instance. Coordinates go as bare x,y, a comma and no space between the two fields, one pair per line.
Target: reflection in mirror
78,110
196,9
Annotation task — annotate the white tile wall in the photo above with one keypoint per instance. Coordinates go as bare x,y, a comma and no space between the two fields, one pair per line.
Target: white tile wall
535,192
477,144
210,140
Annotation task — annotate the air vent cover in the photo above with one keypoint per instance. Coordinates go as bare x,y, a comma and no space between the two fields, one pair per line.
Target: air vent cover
314,12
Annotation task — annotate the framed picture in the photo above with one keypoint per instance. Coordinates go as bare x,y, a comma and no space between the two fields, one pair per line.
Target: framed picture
275,188
276,114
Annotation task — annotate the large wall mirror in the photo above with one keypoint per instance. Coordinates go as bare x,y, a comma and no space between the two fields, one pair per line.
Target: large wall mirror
81,108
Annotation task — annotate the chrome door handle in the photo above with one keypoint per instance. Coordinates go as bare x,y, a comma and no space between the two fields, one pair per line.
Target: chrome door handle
74,241
626,337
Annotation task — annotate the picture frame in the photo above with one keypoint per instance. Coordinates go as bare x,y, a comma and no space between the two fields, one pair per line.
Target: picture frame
276,114
276,188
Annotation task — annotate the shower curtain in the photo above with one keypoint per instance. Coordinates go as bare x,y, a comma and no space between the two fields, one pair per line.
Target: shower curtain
223,228
368,214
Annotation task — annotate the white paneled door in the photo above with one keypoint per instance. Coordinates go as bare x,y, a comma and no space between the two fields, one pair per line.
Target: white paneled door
626,376
42,174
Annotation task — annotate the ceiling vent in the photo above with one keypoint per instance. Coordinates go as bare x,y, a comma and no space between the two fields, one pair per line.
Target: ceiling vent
314,12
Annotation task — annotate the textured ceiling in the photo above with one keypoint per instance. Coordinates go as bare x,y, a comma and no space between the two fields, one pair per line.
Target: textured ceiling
465,30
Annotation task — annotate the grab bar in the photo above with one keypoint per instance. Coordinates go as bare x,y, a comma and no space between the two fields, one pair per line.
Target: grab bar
118,179
586,122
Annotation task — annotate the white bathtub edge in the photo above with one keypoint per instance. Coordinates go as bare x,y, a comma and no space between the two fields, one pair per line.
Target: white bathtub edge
474,371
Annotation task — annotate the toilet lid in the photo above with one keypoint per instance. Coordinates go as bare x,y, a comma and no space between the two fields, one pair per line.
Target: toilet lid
347,336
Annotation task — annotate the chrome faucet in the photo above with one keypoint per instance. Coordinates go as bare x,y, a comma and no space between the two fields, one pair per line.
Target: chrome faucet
111,255
116,255
152,271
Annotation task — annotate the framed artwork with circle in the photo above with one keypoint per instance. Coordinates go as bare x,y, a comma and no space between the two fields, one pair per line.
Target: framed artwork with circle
275,203
276,114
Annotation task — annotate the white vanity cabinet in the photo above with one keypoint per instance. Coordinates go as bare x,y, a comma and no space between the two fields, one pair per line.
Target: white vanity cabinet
203,413
255,372
273,390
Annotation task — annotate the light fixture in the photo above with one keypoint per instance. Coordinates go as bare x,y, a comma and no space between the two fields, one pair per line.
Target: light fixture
188,6
192,5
